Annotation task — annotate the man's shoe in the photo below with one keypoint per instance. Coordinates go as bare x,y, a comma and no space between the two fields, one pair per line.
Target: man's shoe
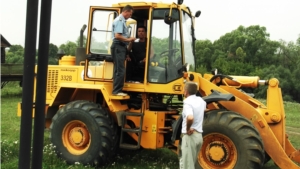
120,94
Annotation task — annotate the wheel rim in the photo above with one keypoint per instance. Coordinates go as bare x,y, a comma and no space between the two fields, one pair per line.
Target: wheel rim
76,137
218,151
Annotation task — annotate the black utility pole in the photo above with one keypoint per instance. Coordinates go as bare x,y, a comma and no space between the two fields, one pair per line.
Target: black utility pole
39,116
28,77
28,84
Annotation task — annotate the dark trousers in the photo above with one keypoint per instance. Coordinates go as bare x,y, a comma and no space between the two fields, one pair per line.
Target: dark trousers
135,71
118,53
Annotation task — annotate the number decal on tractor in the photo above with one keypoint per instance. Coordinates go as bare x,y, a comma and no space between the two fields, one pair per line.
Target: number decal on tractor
66,78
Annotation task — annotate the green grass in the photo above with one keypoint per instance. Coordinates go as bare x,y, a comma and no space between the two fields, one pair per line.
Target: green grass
11,89
125,159
292,114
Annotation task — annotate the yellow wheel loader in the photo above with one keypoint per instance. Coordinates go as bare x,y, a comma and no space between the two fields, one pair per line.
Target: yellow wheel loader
88,124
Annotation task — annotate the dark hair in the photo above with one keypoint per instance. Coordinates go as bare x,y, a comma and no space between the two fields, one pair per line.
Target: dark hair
127,8
142,26
191,87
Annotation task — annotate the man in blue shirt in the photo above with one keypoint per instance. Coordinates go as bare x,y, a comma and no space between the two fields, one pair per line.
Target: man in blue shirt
192,115
121,38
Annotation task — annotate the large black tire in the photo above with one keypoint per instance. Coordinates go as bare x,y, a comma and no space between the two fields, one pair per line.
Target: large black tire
230,141
83,132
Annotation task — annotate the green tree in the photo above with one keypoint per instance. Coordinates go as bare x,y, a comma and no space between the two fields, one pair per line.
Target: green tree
219,61
296,84
240,54
288,55
248,51
251,43
53,49
298,41
160,45
53,58
203,53
285,81
221,64
16,48
15,54
296,70
69,48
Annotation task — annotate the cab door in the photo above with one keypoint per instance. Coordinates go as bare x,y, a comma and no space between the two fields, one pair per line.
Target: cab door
99,63
99,37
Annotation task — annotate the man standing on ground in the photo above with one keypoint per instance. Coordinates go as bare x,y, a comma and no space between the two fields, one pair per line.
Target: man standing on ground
192,114
121,38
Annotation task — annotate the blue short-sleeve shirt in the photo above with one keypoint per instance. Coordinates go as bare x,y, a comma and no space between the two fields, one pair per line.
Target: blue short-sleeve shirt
119,26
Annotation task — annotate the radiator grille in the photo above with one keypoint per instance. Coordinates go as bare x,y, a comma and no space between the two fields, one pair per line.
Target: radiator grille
52,81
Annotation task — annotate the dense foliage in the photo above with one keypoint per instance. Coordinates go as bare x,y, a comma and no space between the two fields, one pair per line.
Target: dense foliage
246,51
250,52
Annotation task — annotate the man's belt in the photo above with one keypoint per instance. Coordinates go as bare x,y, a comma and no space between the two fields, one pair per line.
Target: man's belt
182,134
120,43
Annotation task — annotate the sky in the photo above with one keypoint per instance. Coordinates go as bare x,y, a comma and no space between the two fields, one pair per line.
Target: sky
218,17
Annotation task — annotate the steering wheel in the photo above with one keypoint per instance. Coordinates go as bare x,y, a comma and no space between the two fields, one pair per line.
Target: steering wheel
166,53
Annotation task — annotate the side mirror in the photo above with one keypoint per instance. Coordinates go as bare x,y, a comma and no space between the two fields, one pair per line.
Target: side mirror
179,2
197,14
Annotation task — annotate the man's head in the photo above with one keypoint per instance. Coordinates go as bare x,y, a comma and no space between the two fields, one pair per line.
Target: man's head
142,32
127,11
190,88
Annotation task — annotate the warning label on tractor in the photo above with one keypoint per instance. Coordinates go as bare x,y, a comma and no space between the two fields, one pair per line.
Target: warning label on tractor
153,128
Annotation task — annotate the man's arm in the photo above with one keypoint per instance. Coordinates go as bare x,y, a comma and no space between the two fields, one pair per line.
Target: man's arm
129,47
120,37
151,54
151,51
189,118
189,122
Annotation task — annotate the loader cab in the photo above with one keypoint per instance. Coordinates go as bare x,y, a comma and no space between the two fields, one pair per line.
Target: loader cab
173,44
169,32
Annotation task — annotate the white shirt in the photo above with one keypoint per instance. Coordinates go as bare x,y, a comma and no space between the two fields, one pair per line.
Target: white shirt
193,105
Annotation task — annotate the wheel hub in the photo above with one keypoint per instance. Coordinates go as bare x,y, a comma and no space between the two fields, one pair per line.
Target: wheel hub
217,152
79,136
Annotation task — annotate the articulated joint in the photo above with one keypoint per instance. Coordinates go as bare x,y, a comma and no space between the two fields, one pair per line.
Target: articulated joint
263,82
273,82
275,117
272,116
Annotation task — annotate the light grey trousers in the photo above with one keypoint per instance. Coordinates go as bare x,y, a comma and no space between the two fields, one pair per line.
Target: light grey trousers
189,149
